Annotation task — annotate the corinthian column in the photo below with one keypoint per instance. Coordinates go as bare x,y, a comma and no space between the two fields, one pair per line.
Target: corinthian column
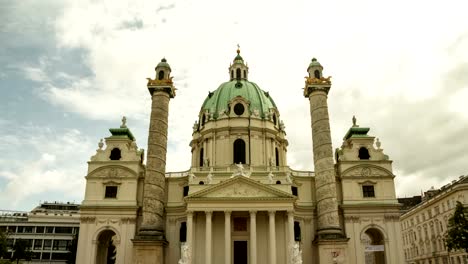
316,89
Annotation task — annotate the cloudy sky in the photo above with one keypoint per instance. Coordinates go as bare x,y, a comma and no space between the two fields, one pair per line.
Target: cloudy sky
69,70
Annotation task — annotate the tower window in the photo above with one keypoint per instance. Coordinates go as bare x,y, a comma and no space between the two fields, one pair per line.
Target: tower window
203,120
201,183
274,119
238,74
368,191
245,74
115,154
160,75
277,157
232,74
239,109
183,232
297,231
364,153
201,157
186,190
239,151
317,74
278,182
294,190
111,192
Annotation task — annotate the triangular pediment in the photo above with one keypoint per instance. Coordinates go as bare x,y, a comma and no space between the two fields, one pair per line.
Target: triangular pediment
240,188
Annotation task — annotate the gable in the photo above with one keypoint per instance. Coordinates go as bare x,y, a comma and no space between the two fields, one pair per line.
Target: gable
240,188
366,171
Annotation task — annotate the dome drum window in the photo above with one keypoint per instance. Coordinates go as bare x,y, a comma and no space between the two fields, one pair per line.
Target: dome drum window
239,109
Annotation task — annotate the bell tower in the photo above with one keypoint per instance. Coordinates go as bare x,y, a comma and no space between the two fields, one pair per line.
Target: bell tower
238,70
150,240
329,230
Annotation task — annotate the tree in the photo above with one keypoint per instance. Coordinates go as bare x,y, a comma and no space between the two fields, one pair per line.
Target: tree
21,251
457,230
3,245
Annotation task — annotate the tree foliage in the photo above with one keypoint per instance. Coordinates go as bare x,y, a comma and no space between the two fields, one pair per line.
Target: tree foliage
72,248
457,232
3,245
21,250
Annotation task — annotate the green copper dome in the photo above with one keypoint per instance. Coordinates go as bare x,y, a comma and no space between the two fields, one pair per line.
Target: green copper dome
217,102
163,63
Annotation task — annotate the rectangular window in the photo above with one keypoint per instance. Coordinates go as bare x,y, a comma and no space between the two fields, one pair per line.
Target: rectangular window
111,192
60,244
40,229
186,190
368,191
294,190
47,244
63,230
49,230
38,244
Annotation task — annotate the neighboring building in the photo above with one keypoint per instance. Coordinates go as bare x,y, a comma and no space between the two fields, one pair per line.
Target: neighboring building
409,202
425,225
240,202
48,230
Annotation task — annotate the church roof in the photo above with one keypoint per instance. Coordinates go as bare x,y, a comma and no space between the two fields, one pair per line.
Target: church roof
218,100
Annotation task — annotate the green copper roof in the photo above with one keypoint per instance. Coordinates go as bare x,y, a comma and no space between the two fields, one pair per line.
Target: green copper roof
357,132
315,63
218,100
121,132
163,63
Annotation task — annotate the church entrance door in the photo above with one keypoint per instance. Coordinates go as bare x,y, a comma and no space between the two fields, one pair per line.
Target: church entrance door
240,252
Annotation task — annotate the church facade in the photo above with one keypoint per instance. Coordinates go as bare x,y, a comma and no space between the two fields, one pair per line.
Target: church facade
240,202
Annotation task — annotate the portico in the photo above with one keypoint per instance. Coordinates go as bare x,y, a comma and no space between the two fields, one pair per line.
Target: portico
244,215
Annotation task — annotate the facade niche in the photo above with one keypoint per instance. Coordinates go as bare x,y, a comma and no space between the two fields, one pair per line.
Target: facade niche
201,157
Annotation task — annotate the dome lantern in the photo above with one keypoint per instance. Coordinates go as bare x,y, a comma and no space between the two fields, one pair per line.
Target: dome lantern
238,70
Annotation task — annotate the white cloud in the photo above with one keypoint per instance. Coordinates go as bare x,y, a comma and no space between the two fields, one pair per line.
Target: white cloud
392,67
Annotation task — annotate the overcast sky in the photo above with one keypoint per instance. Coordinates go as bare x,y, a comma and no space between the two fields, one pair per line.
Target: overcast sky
69,70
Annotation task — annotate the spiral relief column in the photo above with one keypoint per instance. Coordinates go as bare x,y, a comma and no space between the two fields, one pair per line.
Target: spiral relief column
150,240
316,89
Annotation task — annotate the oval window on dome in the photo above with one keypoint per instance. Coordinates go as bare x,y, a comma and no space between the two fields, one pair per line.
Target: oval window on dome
239,109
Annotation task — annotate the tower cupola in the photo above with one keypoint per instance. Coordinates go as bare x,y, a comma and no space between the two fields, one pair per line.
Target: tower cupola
238,70
315,69
163,70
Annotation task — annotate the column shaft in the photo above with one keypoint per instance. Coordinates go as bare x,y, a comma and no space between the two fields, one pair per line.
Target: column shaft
227,237
290,240
154,192
253,237
272,241
208,237
325,183
190,234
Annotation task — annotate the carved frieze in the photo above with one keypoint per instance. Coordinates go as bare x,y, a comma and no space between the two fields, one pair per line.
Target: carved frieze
111,172
240,190
366,171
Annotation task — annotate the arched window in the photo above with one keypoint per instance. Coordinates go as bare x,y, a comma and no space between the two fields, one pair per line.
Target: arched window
278,182
274,119
115,154
364,153
203,119
201,183
239,151
238,74
232,74
317,74
160,75
106,250
245,74
201,157
277,157
183,232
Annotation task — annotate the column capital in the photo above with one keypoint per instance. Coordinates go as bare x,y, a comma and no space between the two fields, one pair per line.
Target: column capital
253,212
290,212
271,212
227,212
209,212
190,212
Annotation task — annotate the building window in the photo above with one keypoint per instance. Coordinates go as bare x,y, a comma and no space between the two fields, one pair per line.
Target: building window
201,183
186,190
245,74
277,157
368,191
239,109
201,157
238,74
278,182
183,232
50,230
232,74
239,151
40,229
317,74
115,154
111,192
297,231
160,75
47,243
37,244
294,190
364,153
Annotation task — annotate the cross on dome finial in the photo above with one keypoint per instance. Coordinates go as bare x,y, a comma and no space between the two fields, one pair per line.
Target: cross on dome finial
238,49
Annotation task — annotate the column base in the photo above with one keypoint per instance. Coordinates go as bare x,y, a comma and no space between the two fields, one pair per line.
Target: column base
148,250
331,250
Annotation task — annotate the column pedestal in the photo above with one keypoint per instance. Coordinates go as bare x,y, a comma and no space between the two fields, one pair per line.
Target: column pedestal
148,251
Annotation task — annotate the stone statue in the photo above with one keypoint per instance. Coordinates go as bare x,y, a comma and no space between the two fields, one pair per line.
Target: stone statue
206,162
185,254
101,144
295,253
378,144
270,177
354,121
191,177
195,126
239,170
124,122
209,177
